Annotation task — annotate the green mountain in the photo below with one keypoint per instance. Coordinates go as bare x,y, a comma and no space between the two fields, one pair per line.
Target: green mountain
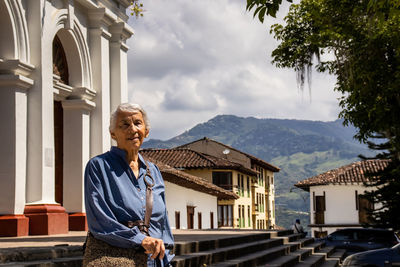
300,148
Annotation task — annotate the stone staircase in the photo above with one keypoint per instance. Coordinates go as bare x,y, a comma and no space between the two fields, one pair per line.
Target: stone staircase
272,248
256,248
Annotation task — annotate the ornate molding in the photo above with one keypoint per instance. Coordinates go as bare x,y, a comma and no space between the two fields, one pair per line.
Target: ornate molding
120,31
60,89
101,17
20,29
80,104
16,67
15,80
83,93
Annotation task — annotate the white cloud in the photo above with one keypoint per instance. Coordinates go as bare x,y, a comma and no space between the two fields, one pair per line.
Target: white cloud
191,60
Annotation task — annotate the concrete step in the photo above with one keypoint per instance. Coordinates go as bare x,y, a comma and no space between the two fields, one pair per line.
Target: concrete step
316,246
69,261
302,253
338,254
290,237
187,247
39,253
327,251
282,261
284,232
224,253
311,261
254,259
303,242
330,263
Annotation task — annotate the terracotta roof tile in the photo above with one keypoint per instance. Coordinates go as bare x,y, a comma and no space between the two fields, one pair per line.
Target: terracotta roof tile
351,173
259,161
181,178
189,159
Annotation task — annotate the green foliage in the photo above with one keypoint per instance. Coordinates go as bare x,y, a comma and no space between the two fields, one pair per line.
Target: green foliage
362,41
264,8
286,217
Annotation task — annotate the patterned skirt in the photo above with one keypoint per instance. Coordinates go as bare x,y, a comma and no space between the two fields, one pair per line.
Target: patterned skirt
100,254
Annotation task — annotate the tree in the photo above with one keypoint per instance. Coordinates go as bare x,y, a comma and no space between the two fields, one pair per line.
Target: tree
360,41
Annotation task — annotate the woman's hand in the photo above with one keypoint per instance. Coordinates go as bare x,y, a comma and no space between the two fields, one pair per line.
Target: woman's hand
154,246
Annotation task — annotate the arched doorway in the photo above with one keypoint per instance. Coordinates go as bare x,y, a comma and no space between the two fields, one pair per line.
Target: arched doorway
72,106
61,74
7,47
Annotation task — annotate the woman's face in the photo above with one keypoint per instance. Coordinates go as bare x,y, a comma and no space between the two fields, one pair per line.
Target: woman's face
130,130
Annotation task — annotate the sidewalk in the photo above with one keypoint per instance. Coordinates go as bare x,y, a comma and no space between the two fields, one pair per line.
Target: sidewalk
75,238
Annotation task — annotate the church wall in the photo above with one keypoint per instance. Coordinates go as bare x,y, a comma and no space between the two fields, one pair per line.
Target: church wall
28,91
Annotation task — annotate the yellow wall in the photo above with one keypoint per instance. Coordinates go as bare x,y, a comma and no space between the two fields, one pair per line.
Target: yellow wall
260,217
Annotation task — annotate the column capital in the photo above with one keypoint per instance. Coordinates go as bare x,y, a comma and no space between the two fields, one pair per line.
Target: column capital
12,80
120,31
101,32
61,90
101,17
82,104
16,67
83,93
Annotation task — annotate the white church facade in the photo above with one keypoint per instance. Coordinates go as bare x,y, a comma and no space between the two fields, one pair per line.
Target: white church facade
63,68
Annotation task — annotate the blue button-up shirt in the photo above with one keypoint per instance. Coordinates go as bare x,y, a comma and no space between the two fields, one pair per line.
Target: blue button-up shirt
113,196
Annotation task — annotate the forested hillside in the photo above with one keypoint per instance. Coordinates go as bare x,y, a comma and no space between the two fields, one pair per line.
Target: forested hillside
300,148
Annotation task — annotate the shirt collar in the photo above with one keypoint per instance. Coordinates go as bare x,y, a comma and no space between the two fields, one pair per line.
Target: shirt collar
122,154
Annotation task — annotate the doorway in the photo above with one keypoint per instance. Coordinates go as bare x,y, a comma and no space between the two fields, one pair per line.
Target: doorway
58,151
190,217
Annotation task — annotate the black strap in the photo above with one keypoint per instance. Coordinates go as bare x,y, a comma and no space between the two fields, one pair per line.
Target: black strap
295,225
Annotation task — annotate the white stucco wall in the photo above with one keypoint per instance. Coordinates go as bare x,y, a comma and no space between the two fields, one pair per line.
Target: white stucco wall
178,198
340,205
86,29
340,202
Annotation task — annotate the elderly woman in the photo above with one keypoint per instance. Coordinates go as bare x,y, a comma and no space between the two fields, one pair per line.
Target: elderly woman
122,191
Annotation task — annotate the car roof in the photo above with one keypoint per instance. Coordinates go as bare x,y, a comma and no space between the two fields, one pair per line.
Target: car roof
365,229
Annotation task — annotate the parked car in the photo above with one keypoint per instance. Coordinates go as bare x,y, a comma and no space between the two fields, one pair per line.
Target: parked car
384,257
355,240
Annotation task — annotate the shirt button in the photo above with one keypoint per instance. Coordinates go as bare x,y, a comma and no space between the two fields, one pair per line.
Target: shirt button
141,198
138,189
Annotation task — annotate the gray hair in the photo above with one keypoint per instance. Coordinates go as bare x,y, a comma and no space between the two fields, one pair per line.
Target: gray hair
127,107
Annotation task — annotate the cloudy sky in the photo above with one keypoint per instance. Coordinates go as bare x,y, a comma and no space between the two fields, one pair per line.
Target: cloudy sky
190,60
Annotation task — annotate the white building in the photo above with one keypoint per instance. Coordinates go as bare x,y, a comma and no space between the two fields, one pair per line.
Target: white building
336,200
63,67
192,202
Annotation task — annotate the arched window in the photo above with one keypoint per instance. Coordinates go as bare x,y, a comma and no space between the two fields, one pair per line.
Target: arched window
60,66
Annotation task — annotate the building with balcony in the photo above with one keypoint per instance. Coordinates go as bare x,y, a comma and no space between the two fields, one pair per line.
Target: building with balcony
250,178
191,200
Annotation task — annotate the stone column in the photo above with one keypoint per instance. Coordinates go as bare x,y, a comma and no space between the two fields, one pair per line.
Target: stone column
99,36
76,155
120,31
45,215
14,86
